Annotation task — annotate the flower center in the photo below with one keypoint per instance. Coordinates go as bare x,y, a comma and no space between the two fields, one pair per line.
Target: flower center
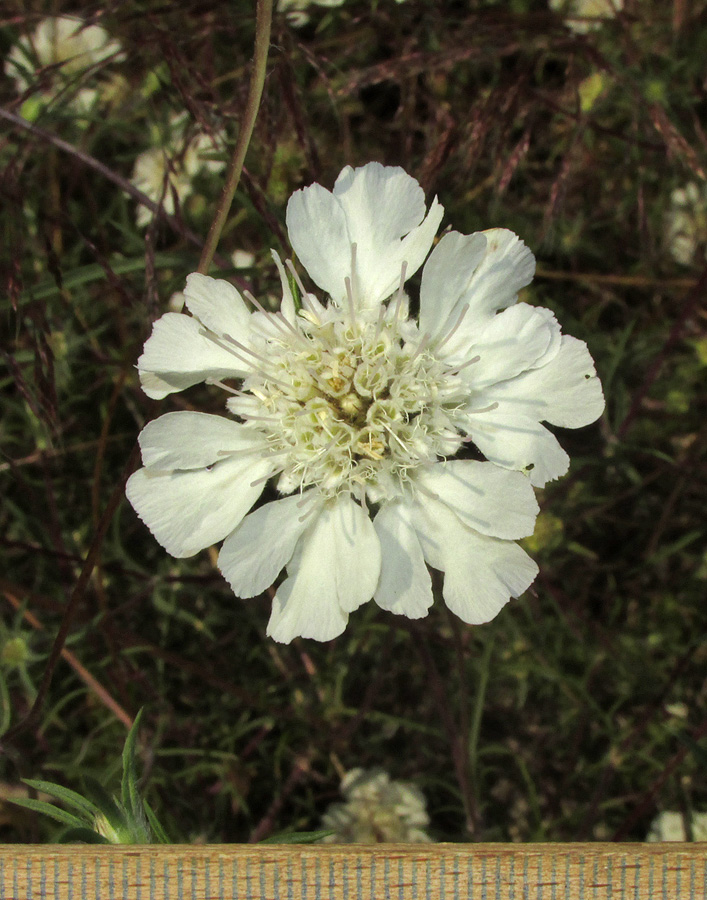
352,406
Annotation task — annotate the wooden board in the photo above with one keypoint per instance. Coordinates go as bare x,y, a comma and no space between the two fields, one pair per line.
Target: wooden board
664,871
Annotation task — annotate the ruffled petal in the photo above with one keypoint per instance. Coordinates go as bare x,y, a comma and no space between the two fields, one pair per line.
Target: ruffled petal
486,283
189,510
565,391
258,550
405,586
508,344
383,204
509,438
334,569
194,440
446,278
378,208
489,499
218,305
179,354
481,573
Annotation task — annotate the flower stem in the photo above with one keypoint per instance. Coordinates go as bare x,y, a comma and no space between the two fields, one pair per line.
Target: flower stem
263,22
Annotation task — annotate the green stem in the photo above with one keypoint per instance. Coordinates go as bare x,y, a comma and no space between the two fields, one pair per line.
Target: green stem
263,22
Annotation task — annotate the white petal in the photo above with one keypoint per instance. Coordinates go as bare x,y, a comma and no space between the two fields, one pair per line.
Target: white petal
563,392
178,354
481,573
485,497
189,510
487,284
383,201
316,225
378,208
256,552
334,569
218,305
509,343
383,204
511,439
405,586
194,440
507,266
446,277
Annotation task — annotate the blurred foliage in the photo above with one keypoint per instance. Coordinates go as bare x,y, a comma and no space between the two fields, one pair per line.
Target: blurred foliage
580,710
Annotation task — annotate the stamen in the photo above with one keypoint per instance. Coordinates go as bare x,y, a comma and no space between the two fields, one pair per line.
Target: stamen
350,298
458,369
489,408
230,390
400,294
464,311
421,346
354,279
260,480
379,323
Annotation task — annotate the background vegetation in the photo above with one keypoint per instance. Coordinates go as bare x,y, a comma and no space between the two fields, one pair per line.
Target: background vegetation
580,711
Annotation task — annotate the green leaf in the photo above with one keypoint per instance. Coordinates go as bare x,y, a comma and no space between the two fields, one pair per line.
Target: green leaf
156,825
85,835
103,801
69,797
294,287
47,809
297,837
128,788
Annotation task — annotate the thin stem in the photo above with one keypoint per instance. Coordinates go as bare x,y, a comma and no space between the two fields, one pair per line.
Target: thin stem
263,22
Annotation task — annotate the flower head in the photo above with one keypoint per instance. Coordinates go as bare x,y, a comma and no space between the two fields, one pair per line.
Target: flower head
296,10
686,222
69,45
670,826
168,171
355,410
377,811
586,15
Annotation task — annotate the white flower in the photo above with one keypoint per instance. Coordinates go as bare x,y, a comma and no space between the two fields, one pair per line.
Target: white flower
68,44
356,410
586,15
295,10
177,162
670,826
377,810
686,222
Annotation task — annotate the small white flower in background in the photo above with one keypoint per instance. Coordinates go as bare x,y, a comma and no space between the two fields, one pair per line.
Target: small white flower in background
670,826
295,10
242,259
70,45
377,811
586,15
686,223
355,409
169,169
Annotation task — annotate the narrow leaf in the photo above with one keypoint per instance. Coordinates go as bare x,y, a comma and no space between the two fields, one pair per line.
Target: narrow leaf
54,812
67,796
85,835
156,825
128,789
